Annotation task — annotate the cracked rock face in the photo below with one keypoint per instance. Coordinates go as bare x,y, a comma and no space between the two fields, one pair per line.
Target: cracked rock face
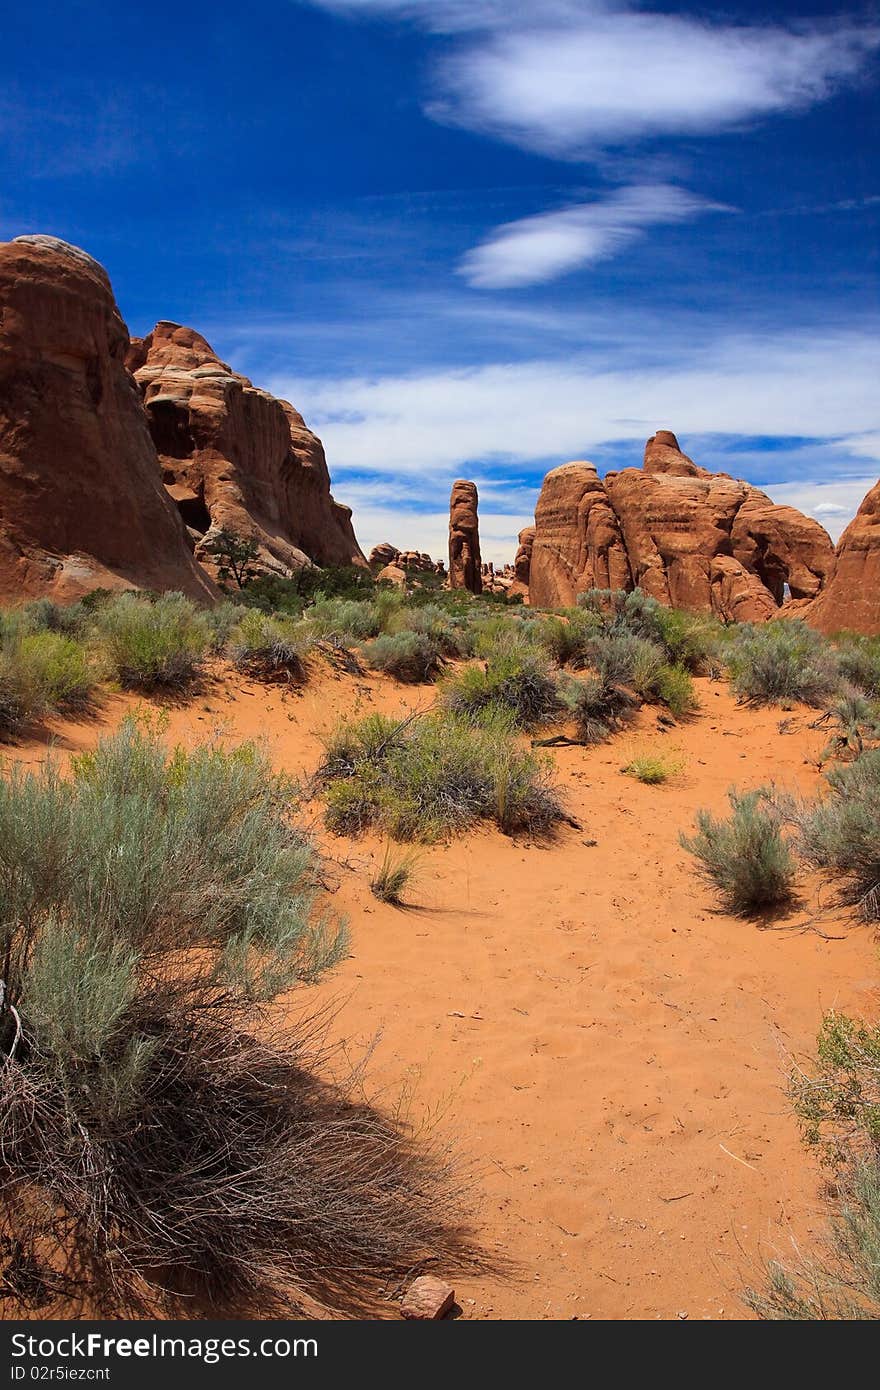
82,504
696,540
235,457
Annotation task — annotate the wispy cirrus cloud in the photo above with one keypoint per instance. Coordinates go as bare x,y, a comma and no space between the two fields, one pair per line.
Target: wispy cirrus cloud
569,77
534,250
794,412
792,384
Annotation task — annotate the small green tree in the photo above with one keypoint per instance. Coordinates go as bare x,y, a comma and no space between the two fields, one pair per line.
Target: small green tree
234,555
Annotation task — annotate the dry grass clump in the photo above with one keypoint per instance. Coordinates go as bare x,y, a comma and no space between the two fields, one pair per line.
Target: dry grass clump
161,1149
654,767
394,875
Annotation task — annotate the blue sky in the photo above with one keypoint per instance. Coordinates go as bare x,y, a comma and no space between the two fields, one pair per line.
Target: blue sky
469,237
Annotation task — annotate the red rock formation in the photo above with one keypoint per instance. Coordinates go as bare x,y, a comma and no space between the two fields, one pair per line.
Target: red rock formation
577,543
81,497
465,567
851,599
382,555
737,595
392,574
690,538
235,457
782,546
663,455
673,526
523,562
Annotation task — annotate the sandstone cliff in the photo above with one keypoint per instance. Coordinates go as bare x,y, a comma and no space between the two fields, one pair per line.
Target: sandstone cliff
235,457
81,498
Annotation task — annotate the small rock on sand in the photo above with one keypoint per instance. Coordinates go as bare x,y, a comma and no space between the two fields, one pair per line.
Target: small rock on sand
427,1298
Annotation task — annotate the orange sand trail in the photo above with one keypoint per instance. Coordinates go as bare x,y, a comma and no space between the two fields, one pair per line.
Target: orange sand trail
611,1049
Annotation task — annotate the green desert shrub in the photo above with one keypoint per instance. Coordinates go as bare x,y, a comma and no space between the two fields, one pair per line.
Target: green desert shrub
408,656
270,649
164,1150
838,1103
840,832
41,672
858,660
853,722
691,640
673,687
223,618
422,779
350,621
515,678
621,658
746,857
153,642
565,637
453,636
685,639
291,596
839,1282
162,850
780,661
599,708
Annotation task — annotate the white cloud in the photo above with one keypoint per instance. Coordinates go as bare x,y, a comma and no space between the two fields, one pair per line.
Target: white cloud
565,78
429,425
391,440
617,77
536,249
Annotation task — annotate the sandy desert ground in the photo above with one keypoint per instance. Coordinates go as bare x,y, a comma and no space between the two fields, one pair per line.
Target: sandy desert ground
609,1048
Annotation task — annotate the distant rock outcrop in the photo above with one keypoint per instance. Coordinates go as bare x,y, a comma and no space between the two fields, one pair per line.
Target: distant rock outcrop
690,538
851,598
382,555
81,498
235,457
523,563
465,566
